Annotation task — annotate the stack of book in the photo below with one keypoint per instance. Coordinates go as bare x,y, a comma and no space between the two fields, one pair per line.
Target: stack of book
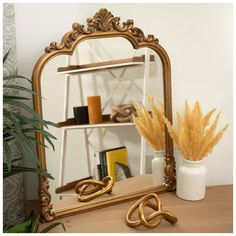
105,162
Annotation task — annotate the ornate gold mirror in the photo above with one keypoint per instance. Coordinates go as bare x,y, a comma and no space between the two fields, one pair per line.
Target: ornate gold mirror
121,65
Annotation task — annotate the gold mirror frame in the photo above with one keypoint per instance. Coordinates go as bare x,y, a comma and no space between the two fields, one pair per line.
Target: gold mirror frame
103,25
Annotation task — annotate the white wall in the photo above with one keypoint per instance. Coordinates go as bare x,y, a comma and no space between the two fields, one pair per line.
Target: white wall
197,37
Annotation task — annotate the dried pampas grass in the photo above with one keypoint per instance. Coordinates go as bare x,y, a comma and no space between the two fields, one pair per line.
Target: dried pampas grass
195,136
151,125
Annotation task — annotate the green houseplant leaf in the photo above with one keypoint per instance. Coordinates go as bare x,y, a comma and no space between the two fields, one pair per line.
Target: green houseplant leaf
48,228
20,169
20,228
31,225
22,128
5,56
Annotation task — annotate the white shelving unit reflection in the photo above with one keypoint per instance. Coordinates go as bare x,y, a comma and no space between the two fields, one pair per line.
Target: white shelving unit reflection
67,124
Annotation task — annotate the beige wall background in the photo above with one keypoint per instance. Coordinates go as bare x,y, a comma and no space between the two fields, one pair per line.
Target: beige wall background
197,37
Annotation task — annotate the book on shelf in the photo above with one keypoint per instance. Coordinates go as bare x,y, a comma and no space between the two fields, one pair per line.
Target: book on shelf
99,166
114,157
96,167
100,162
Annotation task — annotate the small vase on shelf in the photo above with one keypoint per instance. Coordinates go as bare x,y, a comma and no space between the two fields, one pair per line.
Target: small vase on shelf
191,180
158,163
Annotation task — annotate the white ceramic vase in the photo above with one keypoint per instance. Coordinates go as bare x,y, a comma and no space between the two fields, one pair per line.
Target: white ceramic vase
191,180
158,163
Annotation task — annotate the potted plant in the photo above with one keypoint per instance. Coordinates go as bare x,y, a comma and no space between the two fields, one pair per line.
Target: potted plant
152,127
21,128
195,137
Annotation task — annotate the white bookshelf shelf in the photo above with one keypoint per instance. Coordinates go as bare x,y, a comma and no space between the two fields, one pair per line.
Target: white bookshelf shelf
100,125
112,64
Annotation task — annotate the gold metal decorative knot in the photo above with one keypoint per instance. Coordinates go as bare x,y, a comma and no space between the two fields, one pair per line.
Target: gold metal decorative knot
90,189
145,220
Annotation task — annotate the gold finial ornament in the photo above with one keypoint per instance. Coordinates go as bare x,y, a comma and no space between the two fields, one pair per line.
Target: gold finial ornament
144,220
90,189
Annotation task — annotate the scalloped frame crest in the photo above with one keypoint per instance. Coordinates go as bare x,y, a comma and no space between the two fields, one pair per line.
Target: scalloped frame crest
102,25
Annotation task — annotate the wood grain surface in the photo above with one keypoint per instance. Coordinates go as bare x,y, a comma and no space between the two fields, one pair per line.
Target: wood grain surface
213,214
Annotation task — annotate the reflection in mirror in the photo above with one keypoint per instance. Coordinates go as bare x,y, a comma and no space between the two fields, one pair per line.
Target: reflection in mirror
78,148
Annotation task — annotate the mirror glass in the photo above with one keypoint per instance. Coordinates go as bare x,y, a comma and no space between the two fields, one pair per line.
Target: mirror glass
120,85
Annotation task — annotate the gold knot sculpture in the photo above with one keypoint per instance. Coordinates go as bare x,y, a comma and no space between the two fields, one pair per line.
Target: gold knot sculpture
122,113
90,189
155,217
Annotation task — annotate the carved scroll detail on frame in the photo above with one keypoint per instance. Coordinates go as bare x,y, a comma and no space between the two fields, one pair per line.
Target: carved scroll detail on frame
103,21
46,213
170,173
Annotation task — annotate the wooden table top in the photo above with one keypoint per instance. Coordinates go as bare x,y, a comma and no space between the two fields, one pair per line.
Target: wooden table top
213,214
